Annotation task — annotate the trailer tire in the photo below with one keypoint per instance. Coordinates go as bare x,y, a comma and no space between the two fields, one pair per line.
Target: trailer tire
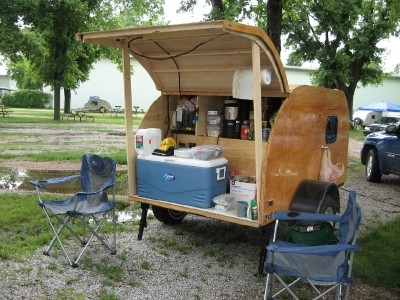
102,109
316,196
327,205
168,216
357,124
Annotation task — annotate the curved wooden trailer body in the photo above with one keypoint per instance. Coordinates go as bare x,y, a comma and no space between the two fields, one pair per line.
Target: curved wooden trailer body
200,59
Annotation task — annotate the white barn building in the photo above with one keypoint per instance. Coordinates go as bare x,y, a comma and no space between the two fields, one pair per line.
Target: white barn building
106,82
388,90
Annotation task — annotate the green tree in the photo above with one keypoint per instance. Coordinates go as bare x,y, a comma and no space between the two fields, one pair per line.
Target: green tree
62,62
12,38
57,22
343,37
267,14
25,76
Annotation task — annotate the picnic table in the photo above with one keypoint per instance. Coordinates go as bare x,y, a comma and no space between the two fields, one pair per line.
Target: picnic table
5,111
78,113
117,110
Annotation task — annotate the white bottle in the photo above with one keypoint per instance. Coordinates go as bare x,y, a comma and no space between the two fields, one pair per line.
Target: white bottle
147,140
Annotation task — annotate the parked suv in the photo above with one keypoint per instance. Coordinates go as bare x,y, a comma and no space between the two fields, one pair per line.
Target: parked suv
381,153
381,124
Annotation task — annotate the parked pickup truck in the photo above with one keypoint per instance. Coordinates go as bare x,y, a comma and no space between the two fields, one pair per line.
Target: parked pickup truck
209,66
381,153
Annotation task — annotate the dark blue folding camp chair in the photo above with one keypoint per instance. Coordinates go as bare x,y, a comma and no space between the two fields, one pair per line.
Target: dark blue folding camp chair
327,268
91,205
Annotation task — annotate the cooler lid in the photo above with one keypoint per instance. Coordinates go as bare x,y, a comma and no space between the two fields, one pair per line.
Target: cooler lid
199,58
185,161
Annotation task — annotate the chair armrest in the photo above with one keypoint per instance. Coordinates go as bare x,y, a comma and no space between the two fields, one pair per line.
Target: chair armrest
95,192
288,215
58,180
285,247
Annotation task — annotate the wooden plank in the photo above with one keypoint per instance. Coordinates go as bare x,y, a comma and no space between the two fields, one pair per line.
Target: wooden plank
130,151
257,116
229,216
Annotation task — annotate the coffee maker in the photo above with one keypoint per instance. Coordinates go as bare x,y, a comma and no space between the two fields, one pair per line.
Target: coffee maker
231,111
235,112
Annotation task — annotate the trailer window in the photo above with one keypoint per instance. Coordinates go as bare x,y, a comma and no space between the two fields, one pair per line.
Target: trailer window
331,129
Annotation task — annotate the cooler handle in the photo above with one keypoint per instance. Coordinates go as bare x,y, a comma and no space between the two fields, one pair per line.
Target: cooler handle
221,173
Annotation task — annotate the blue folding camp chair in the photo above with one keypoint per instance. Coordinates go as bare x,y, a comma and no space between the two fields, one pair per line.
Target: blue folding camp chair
91,205
327,268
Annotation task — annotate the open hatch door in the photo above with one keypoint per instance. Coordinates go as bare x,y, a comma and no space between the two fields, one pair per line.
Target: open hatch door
197,58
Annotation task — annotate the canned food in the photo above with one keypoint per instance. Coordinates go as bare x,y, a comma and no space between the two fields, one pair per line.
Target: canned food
265,134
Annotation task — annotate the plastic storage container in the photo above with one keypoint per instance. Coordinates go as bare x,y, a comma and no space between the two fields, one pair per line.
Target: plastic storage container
215,120
214,123
207,152
147,140
183,153
214,130
223,202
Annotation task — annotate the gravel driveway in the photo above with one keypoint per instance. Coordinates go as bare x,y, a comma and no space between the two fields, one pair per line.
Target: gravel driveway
192,260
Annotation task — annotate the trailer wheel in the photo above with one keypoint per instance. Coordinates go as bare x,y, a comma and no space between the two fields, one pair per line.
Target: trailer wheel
357,124
168,216
372,171
327,205
316,196
102,109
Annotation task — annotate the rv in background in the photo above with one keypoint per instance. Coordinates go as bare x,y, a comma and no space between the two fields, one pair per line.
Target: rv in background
365,117
97,104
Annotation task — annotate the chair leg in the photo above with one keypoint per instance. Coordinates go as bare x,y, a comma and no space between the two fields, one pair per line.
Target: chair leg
95,233
339,292
94,230
56,236
268,293
114,232
346,293
336,288
268,287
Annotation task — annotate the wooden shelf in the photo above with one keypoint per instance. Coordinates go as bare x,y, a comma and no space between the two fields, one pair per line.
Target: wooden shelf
229,216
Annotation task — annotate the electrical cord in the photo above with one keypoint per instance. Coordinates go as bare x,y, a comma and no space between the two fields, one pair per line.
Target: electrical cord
176,65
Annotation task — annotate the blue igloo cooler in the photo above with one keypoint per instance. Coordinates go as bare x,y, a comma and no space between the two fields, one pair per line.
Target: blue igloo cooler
181,180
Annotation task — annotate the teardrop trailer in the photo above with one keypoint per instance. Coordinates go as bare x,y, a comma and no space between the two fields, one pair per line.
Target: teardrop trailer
95,103
212,62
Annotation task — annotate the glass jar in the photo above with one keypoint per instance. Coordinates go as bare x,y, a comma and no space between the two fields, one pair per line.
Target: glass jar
244,130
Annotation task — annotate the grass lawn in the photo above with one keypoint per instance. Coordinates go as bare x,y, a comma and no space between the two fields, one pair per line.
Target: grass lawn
23,115
62,143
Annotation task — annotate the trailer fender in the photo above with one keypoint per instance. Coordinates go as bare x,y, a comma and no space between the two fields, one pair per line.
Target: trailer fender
316,196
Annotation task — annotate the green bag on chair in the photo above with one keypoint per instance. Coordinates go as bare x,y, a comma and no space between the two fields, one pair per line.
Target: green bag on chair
312,234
